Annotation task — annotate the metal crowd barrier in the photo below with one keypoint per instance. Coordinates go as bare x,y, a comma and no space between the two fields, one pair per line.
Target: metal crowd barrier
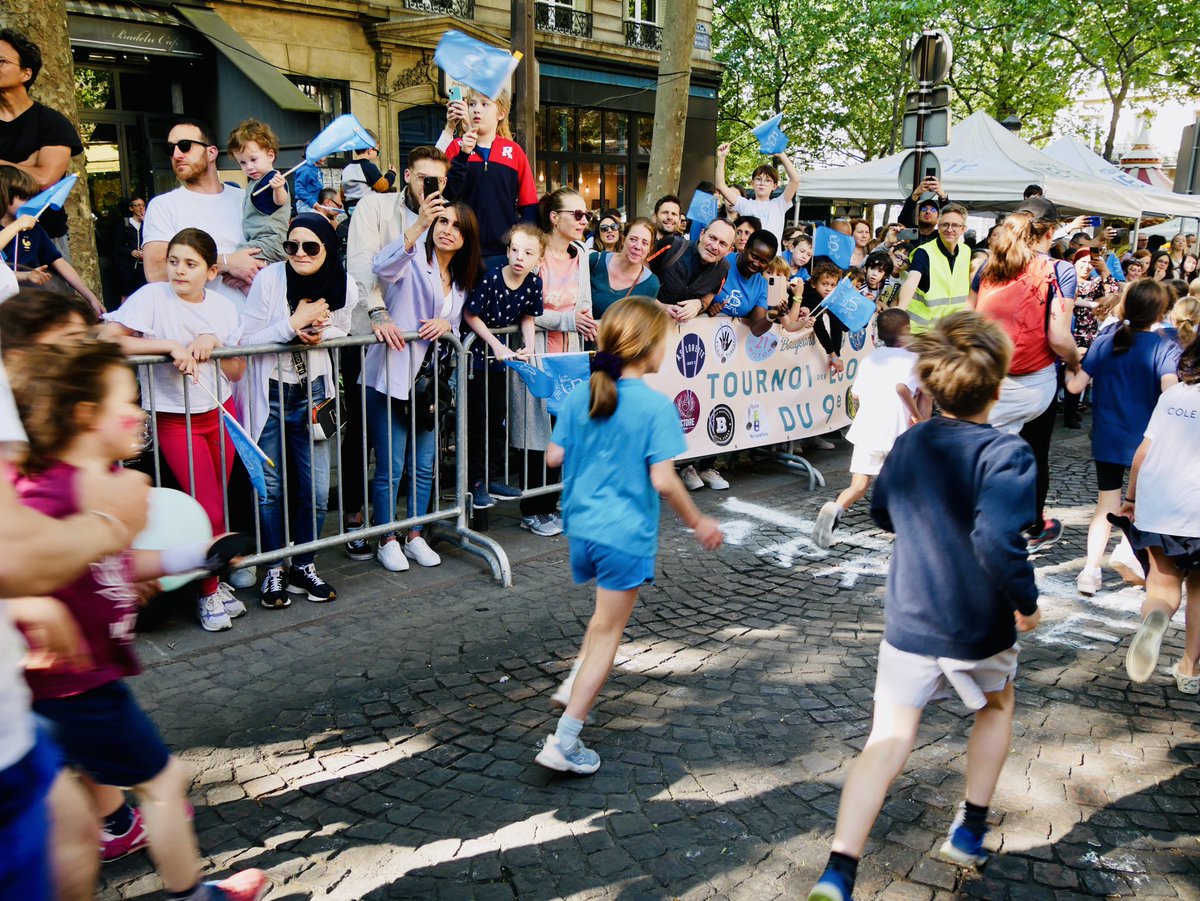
448,511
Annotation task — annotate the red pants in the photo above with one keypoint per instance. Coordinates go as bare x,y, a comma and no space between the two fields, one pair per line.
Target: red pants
205,449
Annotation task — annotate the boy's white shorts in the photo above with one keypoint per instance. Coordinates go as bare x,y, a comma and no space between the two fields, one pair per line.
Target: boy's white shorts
867,462
913,680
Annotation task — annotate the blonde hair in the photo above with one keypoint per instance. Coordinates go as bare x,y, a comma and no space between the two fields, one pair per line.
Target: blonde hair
631,330
529,230
503,104
961,361
778,266
1185,316
1194,288
1010,247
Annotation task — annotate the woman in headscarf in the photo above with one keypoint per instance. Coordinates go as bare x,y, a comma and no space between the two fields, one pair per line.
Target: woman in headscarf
301,301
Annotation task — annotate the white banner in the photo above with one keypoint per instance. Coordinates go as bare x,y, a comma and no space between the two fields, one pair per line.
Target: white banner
735,391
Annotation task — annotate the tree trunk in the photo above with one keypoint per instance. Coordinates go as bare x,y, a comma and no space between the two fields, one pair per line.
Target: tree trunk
45,22
671,102
1117,103
523,117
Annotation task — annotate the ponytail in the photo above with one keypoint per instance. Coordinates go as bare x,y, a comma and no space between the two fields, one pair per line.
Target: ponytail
552,203
603,389
1186,316
631,331
1145,302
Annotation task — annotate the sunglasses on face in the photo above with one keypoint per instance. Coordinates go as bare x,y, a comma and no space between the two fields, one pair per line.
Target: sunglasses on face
580,215
310,248
186,145
605,227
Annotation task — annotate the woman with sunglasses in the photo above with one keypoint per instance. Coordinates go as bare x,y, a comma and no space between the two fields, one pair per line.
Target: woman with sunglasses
566,322
426,286
300,302
608,233
616,275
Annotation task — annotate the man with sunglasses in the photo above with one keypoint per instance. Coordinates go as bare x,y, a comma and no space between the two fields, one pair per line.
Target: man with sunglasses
201,201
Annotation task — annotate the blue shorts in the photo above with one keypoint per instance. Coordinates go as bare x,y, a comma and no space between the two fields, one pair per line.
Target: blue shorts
25,822
104,733
613,570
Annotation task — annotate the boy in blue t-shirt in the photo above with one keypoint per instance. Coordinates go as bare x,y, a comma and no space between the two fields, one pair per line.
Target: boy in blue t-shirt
508,295
959,589
743,294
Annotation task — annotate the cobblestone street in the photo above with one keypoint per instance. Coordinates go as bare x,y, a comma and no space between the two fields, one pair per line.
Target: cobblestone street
382,746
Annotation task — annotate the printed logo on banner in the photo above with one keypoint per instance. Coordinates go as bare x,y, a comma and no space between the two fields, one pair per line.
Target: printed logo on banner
687,405
858,339
760,348
851,403
756,422
689,356
724,343
720,425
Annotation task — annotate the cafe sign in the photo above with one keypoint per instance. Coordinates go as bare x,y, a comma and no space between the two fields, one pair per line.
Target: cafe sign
131,36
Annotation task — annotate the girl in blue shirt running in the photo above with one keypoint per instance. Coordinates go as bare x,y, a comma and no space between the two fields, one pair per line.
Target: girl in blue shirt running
615,442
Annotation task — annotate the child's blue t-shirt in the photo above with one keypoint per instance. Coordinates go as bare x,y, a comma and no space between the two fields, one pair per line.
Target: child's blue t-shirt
607,494
1125,391
31,249
740,295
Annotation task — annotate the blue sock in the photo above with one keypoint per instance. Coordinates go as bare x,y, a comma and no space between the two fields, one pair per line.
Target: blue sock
120,821
568,731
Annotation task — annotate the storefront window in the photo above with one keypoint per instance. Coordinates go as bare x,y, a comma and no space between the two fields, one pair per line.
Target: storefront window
95,89
616,133
560,129
333,97
645,134
588,184
589,131
613,190
589,150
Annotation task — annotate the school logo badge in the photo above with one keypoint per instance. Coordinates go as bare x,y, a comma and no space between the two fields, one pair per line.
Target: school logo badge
724,343
851,403
760,348
720,425
687,405
756,422
858,339
689,356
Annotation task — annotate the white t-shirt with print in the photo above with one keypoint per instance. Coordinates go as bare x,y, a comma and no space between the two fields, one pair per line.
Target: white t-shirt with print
882,416
155,311
218,214
16,737
1168,484
771,213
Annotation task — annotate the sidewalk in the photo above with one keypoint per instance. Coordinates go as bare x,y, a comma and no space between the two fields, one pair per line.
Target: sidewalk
382,746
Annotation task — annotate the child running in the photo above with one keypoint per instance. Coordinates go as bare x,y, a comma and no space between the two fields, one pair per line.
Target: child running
188,322
615,443
959,588
79,406
1162,510
886,388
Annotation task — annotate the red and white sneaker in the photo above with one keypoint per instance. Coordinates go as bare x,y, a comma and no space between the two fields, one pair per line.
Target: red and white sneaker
114,847
248,885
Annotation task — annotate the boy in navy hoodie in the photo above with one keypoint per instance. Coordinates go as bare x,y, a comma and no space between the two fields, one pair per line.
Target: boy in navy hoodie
956,493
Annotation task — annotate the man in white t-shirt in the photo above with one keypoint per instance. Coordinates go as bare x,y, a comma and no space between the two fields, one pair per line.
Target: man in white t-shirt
201,201
770,211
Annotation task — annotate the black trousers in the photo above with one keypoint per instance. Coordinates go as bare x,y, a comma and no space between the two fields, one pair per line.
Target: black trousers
1037,433
487,435
354,459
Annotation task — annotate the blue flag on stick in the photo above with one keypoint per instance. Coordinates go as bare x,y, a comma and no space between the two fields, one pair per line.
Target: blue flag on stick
771,139
342,134
703,209
539,383
252,455
833,244
567,370
474,63
1113,262
52,198
854,310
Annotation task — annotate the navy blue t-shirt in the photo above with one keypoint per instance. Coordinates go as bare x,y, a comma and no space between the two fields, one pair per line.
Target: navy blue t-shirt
35,249
500,306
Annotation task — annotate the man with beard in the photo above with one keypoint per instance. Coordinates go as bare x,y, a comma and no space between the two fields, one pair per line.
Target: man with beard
201,201
692,274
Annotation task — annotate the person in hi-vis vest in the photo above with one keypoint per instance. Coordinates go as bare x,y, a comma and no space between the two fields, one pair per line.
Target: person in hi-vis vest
939,275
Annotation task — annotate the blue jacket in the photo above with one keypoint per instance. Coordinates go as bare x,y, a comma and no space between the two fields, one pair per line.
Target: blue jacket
957,495
308,184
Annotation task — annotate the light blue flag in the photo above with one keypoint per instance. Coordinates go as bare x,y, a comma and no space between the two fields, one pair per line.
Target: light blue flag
703,209
52,198
771,139
1113,262
854,310
252,455
833,244
567,370
474,63
342,134
539,383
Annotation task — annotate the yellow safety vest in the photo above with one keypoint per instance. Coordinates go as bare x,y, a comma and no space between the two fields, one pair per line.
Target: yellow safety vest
949,285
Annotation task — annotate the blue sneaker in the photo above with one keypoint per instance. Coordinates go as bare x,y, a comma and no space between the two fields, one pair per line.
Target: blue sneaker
503,491
833,886
480,499
580,759
963,846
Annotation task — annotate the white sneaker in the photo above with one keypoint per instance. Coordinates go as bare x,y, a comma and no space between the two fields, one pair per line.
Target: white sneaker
419,550
821,443
562,695
391,555
691,480
211,611
1088,581
713,480
233,606
245,577
827,520
1126,563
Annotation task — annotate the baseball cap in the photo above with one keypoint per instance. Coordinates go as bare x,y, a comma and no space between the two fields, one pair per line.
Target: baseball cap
1039,208
929,199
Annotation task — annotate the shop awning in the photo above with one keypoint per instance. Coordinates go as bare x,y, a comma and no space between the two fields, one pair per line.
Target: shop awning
249,61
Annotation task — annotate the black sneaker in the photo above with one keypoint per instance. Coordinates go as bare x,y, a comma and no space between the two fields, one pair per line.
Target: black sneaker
357,548
304,580
480,499
272,593
1039,540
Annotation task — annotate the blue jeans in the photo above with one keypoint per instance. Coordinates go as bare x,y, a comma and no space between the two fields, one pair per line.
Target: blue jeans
309,477
386,479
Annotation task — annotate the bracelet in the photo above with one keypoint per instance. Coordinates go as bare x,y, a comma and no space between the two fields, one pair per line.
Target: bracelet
379,315
122,530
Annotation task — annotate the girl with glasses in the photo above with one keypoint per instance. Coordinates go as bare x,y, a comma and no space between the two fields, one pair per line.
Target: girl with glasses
607,237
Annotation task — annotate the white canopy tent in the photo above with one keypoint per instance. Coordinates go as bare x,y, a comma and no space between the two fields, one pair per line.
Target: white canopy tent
1071,152
988,167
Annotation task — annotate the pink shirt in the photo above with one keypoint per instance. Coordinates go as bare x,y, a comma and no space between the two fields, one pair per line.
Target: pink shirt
102,600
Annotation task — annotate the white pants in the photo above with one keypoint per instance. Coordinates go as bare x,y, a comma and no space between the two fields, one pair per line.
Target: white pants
1023,398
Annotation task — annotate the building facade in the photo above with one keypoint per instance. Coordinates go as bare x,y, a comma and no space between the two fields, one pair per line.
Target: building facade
296,64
